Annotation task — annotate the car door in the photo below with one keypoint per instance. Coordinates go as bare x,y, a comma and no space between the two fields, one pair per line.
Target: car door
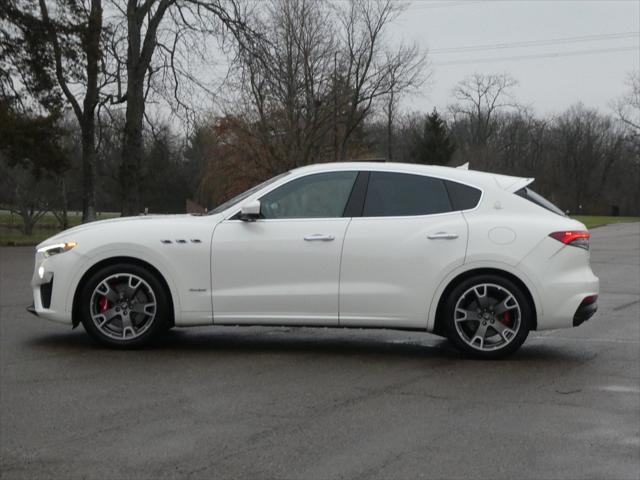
283,268
396,253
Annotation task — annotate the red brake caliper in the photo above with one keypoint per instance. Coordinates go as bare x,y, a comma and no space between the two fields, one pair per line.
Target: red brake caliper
103,304
506,318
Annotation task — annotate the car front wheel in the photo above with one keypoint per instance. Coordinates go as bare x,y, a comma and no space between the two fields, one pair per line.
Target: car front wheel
488,316
124,306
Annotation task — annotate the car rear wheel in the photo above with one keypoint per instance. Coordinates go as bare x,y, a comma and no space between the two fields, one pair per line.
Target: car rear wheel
488,316
124,306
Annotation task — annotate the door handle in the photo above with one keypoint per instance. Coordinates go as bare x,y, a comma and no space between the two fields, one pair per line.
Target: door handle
319,237
442,236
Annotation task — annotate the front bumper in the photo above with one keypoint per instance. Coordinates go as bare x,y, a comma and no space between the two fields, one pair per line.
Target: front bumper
51,284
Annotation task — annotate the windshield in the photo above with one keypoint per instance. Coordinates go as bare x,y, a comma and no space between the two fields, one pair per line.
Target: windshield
238,198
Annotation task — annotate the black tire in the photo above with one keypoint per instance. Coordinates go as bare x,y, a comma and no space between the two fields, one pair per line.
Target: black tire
141,327
461,333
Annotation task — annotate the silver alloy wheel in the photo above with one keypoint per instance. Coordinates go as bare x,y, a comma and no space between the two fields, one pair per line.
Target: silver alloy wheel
123,306
487,317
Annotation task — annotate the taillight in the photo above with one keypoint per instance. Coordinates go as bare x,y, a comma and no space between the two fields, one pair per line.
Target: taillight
574,238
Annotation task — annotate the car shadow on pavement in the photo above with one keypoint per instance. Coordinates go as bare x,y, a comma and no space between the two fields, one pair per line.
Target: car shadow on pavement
303,342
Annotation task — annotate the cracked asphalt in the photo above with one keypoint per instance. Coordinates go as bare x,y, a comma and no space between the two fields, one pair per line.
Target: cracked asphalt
324,403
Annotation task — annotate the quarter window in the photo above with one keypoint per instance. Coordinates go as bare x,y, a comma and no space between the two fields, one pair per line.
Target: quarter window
462,196
399,194
323,195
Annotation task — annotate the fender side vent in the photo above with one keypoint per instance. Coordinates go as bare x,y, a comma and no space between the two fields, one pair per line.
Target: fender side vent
46,290
166,241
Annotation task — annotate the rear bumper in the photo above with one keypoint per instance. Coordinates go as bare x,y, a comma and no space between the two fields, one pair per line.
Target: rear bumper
564,281
584,312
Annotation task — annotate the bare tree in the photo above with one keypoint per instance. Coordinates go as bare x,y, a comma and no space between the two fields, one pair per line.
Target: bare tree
286,86
324,69
369,70
627,107
585,149
156,39
479,98
406,74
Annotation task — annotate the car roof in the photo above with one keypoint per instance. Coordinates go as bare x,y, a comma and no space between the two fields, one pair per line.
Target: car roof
472,177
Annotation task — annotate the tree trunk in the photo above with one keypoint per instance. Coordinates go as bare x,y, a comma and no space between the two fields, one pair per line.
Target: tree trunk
132,135
85,114
28,224
88,118
132,154
139,53
65,215
390,128
88,170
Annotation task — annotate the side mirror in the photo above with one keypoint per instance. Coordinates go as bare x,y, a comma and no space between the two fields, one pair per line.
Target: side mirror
249,212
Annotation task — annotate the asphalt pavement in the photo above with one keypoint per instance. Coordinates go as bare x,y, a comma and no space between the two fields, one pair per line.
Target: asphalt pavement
305,403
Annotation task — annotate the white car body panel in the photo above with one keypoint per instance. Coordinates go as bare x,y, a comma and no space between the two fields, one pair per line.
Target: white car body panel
265,272
396,289
377,272
184,266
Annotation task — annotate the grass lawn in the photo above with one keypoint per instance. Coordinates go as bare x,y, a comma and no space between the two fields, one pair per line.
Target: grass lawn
16,238
11,227
592,221
48,220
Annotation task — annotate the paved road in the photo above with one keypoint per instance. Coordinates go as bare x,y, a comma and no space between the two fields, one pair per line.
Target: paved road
304,403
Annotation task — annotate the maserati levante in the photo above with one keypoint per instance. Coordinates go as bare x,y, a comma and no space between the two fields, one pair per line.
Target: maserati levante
477,257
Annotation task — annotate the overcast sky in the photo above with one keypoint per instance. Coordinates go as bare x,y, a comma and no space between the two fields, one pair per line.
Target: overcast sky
548,83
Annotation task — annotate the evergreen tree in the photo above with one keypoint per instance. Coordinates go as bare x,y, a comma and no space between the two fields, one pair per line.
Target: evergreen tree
434,146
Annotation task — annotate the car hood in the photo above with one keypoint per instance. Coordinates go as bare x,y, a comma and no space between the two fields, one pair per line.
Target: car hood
66,235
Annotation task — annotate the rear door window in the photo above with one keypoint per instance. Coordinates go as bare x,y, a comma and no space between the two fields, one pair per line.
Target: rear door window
392,194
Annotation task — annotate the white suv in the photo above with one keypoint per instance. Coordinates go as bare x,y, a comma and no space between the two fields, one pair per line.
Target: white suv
474,256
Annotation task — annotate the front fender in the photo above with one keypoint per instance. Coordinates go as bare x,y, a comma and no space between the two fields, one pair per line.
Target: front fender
123,250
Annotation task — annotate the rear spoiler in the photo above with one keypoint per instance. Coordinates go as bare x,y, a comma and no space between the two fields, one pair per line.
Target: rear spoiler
505,182
512,184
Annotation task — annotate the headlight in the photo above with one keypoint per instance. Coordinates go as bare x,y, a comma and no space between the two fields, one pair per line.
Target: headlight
49,250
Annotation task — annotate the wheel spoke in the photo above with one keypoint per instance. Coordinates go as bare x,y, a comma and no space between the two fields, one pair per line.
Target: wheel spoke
146,308
127,326
508,303
505,332
132,287
105,290
100,320
481,294
480,334
466,315
106,316
111,313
